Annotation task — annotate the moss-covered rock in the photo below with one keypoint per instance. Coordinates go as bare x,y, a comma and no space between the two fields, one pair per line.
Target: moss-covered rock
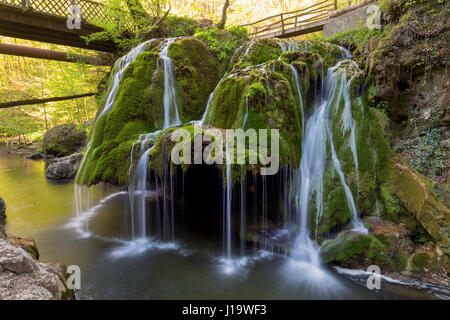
351,248
260,99
63,140
139,108
197,73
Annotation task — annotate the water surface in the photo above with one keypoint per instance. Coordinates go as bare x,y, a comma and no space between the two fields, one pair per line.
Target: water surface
117,268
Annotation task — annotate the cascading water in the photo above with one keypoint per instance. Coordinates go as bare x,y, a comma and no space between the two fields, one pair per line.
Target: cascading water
308,179
138,189
171,116
229,194
120,66
304,183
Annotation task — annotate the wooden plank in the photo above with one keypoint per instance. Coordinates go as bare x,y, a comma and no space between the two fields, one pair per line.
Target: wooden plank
39,101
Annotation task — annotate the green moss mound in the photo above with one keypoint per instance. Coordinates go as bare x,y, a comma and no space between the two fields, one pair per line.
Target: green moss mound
350,246
138,105
63,140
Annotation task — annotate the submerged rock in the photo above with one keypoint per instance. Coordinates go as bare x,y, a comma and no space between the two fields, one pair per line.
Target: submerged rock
63,168
63,140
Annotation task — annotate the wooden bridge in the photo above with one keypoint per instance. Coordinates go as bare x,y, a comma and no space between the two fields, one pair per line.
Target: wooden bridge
46,21
301,21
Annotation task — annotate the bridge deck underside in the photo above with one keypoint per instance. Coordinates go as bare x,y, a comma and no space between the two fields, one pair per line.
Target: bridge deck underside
51,29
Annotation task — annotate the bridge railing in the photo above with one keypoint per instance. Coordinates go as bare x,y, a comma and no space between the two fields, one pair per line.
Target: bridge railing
91,12
285,22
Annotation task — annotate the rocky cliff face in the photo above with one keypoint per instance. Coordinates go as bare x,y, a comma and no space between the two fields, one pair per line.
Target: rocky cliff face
407,85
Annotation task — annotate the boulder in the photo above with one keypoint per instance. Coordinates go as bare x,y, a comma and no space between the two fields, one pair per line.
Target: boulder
63,168
206,22
24,278
64,140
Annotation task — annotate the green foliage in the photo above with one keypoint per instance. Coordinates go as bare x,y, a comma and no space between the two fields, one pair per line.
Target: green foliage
175,26
15,123
223,43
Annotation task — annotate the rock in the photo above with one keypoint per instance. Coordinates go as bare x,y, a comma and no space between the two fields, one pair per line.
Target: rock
63,168
390,246
26,243
2,211
206,22
415,193
354,250
24,278
63,140
39,153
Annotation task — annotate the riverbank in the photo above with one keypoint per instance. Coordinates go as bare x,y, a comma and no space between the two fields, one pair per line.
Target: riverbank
22,276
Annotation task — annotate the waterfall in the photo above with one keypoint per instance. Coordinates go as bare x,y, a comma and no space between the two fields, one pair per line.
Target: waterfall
210,100
120,66
308,179
300,97
138,191
171,117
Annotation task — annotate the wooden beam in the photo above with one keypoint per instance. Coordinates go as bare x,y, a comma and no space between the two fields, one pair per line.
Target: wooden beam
30,52
38,101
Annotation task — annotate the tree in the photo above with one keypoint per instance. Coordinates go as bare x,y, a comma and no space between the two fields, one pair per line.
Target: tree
221,24
138,12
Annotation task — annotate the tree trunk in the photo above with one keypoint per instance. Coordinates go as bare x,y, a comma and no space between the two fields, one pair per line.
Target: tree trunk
221,24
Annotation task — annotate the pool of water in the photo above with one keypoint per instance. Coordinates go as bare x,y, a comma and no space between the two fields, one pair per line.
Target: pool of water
114,267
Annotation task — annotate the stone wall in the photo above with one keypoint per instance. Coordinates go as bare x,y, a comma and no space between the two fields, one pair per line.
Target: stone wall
347,21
